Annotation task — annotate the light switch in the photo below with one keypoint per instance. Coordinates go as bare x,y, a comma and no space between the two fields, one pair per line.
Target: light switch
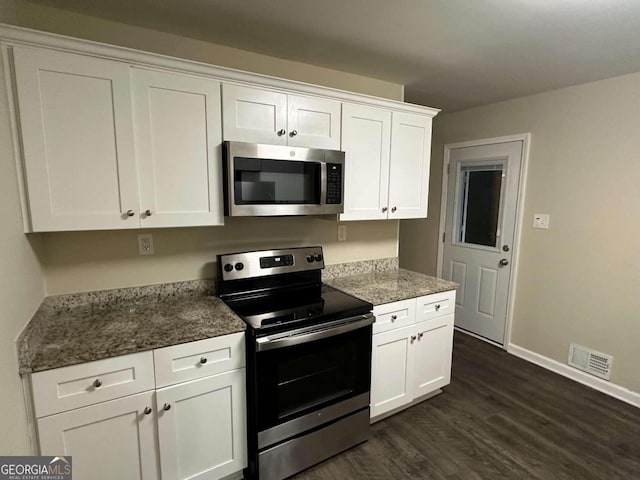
541,220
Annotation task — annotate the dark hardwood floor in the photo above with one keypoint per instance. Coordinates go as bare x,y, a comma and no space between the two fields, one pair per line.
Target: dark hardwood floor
501,417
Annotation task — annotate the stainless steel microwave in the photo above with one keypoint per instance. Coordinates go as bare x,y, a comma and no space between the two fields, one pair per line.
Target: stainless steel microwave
267,180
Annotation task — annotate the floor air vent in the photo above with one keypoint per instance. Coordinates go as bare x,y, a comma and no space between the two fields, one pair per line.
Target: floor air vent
590,361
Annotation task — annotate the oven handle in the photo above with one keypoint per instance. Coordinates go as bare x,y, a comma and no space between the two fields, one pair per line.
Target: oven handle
346,325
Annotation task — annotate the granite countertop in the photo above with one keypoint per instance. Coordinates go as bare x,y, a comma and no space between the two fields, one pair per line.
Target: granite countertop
379,287
70,330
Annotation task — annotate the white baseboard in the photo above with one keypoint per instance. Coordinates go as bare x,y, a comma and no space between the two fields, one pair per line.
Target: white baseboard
611,389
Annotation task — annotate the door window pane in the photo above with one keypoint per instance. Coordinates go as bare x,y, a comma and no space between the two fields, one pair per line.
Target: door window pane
480,204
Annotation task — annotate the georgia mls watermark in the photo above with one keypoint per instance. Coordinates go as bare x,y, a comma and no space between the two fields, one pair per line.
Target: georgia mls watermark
35,468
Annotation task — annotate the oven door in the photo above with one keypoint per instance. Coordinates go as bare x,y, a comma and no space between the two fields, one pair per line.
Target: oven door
312,376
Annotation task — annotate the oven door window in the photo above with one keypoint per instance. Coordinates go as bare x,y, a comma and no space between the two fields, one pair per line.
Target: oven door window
269,182
293,381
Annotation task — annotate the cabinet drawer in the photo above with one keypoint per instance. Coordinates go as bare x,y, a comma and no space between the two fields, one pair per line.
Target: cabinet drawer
189,361
85,384
394,315
436,305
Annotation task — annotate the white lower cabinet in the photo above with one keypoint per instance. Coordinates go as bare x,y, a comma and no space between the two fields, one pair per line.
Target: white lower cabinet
114,439
195,429
202,428
413,359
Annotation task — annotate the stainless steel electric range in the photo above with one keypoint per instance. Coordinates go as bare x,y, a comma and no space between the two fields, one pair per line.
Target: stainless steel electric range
308,359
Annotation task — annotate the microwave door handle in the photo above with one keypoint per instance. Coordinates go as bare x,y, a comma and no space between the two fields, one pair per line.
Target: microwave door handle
266,343
323,183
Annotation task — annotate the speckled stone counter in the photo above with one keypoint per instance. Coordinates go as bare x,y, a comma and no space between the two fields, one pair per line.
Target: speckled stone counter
71,329
389,285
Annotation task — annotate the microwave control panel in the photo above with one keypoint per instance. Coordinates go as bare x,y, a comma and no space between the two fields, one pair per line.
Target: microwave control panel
334,183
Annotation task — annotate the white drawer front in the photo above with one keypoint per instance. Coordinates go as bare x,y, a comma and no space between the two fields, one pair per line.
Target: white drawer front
189,361
85,384
436,305
394,315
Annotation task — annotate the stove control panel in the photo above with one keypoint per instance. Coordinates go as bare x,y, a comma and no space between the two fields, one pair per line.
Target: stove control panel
245,265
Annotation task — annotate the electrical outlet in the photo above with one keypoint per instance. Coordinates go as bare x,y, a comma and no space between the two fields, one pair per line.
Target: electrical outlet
342,233
145,244
541,220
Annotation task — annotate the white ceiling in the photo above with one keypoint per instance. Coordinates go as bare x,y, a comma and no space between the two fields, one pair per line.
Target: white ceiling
451,54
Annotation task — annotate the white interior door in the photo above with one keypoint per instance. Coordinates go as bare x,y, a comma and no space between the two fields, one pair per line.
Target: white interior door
479,231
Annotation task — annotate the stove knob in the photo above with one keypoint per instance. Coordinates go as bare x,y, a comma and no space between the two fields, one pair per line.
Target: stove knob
228,267
318,257
309,258
239,266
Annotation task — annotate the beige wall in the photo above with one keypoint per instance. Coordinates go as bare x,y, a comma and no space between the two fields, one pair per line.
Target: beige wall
84,261
63,22
21,290
579,281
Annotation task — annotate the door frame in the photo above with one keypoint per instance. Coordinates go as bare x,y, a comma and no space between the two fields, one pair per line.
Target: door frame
525,138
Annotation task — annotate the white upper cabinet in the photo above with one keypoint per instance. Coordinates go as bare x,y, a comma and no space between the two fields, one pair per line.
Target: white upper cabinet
366,141
409,170
77,132
387,163
178,137
256,115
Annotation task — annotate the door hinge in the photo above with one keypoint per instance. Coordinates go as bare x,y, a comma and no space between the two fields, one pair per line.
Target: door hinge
443,236
448,168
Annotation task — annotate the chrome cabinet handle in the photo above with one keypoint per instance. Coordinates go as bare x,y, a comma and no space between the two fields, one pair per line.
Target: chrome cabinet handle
203,360
147,410
97,383
166,407
293,133
393,209
504,262
437,307
413,338
281,132
384,209
148,213
420,335
130,213
394,318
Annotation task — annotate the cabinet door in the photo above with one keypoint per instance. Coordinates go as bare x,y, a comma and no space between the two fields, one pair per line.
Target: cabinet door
202,427
178,136
409,170
253,115
366,141
433,355
313,122
392,370
114,439
77,135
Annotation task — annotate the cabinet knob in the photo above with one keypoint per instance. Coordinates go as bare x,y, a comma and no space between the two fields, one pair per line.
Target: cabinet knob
293,133
384,209
97,383
281,132
147,410
420,335
394,317
166,407
130,213
413,338
148,213
203,360
437,307
393,209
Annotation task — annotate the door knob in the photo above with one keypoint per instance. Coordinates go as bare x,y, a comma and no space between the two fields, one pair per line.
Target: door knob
503,262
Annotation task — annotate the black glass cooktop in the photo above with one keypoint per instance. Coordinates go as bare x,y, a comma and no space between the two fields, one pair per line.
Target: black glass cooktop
294,307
